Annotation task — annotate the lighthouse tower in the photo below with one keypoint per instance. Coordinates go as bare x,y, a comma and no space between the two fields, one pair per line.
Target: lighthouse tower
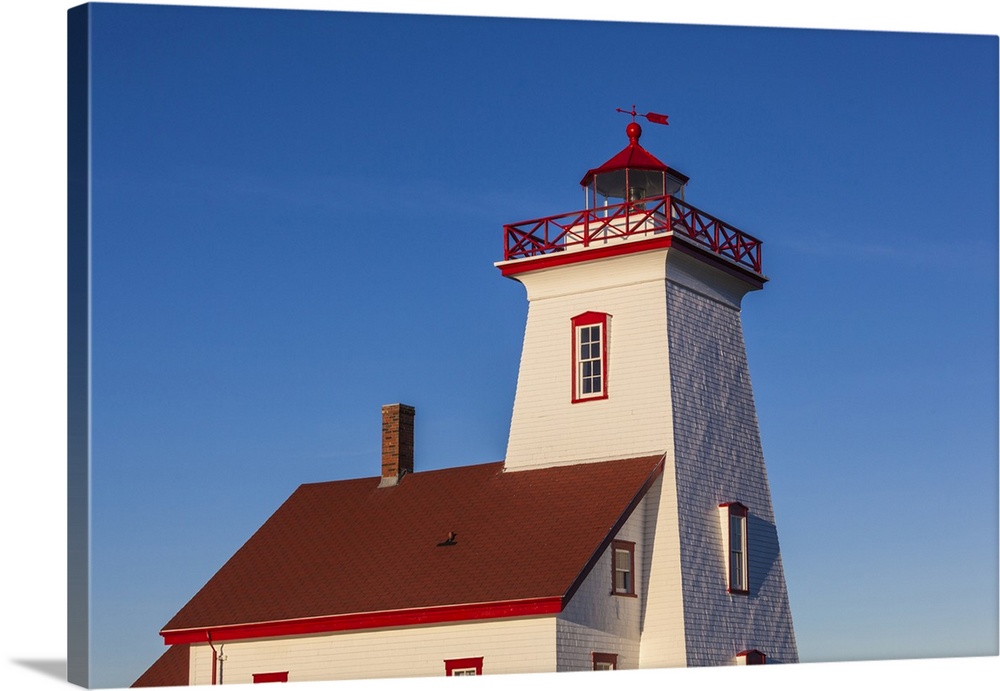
634,347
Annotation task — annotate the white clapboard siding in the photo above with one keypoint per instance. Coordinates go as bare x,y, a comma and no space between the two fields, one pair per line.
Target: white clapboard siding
506,645
547,428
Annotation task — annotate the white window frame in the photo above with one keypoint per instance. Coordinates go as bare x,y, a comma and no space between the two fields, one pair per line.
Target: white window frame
623,547
590,353
604,661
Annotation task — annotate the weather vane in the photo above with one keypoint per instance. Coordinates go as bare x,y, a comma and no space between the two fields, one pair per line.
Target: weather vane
652,117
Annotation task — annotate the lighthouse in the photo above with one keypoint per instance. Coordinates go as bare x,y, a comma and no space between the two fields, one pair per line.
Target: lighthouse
629,525
633,347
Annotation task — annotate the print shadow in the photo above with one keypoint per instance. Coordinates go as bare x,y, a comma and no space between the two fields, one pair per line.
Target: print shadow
50,668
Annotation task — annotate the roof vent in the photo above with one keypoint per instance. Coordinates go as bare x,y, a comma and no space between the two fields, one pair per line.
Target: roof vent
450,540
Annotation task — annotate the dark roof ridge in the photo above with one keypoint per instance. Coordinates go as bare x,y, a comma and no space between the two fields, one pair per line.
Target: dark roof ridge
422,473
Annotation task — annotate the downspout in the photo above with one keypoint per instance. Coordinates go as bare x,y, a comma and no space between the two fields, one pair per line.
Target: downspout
214,655
216,658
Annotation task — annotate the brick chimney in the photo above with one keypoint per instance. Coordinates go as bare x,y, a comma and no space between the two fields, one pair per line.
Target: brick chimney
397,443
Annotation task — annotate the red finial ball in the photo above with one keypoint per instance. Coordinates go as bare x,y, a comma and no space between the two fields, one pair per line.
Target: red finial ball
633,131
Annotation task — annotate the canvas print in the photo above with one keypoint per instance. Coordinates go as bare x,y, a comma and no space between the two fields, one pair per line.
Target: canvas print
419,346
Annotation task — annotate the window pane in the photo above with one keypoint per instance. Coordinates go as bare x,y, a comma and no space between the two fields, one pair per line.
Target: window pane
621,559
589,361
623,570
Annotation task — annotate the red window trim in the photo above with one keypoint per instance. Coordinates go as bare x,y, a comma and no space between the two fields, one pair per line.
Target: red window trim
464,663
268,677
753,657
605,657
589,319
736,508
630,546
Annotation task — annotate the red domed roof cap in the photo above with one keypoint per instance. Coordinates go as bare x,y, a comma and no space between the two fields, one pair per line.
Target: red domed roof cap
632,157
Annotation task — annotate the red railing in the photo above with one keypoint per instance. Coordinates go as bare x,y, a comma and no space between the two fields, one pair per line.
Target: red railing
619,222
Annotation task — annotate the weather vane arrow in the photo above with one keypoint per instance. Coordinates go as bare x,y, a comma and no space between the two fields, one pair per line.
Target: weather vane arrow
656,118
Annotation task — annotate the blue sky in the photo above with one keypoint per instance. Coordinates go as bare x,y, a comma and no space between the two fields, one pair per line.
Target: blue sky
295,216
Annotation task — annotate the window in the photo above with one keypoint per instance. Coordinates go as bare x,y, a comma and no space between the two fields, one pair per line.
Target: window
605,661
734,540
590,356
751,657
267,677
464,667
623,567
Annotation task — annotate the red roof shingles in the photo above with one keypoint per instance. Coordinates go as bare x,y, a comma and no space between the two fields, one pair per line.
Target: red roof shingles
171,669
348,547
633,156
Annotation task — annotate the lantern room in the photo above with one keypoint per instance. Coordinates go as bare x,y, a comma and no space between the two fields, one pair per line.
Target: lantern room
634,202
631,175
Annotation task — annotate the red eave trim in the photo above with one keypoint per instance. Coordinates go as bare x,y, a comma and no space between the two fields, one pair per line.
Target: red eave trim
367,620
547,261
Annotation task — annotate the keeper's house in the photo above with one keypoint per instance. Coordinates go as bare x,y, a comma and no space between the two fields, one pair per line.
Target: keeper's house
629,526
